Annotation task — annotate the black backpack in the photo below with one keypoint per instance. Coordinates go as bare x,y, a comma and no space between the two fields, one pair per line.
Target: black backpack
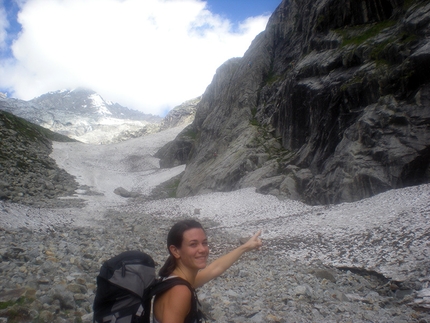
125,287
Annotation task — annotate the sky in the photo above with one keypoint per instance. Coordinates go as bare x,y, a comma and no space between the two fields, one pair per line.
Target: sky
147,55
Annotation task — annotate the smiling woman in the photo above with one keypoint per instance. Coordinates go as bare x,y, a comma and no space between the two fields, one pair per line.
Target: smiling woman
188,253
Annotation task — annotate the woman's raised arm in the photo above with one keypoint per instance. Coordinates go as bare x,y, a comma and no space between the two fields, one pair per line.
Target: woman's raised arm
221,264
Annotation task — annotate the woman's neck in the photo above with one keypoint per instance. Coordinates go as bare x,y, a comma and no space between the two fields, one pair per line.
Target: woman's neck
185,273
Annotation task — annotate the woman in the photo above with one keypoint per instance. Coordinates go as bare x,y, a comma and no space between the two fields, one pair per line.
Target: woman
188,248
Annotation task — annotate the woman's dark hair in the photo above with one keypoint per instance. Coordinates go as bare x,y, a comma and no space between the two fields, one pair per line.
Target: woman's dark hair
175,238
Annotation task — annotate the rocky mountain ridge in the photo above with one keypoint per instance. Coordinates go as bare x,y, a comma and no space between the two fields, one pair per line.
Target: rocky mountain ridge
331,103
28,175
82,114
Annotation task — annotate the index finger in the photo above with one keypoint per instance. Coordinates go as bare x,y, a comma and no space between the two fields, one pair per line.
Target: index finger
257,234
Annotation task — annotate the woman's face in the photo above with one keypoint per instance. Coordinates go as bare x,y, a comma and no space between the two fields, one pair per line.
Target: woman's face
194,250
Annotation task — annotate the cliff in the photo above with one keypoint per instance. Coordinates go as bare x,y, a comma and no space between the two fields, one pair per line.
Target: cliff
331,103
28,175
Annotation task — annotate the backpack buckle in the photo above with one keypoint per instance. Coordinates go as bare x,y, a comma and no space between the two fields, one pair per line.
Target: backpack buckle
140,310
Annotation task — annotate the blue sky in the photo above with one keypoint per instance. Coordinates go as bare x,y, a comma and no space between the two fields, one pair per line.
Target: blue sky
239,10
148,55
12,27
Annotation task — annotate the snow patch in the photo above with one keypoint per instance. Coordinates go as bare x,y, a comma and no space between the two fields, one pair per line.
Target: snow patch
99,104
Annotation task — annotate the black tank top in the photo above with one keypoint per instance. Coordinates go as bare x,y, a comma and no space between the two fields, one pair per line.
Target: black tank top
195,315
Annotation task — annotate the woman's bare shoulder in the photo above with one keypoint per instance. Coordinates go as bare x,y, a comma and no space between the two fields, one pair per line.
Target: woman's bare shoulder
179,294
173,305
180,290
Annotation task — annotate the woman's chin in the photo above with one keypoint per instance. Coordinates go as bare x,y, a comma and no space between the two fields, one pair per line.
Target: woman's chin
201,264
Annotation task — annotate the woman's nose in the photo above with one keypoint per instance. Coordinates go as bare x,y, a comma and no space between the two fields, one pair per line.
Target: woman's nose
203,248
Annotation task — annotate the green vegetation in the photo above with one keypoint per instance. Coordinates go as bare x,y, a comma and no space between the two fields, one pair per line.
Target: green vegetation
378,50
172,187
16,311
355,80
272,145
357,35
29,130
253,121
7,304
270,78
409,3
379,47
190,132
320,20
167,189
406,38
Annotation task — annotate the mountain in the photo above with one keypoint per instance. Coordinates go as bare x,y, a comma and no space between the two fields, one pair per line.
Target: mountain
330,104
183,114
180,115
27,172
81,114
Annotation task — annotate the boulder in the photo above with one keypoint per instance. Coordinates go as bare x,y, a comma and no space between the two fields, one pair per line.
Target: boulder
124,193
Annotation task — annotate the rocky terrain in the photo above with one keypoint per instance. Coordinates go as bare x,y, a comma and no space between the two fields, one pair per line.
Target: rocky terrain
49,276
182,115
366,261
331,103
49,268
30,176
27,174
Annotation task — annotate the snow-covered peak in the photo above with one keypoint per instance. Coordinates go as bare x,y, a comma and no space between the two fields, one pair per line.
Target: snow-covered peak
84,115
99,104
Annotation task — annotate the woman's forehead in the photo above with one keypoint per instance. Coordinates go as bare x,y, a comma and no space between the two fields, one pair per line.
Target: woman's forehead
194,234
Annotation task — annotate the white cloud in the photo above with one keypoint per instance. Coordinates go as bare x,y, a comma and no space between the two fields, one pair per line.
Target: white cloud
148,55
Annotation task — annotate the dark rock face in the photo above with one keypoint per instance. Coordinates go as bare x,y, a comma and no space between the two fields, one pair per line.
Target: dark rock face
179,116
176,153
330,104
28,175
183,114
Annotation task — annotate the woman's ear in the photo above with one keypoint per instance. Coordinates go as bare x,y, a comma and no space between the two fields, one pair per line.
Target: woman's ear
174,252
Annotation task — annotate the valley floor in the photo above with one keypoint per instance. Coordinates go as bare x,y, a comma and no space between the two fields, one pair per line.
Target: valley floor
367,261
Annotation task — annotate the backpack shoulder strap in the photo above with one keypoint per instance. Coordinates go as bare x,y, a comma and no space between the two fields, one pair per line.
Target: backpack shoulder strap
164,285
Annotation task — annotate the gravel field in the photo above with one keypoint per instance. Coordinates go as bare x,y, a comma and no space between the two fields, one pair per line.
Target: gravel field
366,261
